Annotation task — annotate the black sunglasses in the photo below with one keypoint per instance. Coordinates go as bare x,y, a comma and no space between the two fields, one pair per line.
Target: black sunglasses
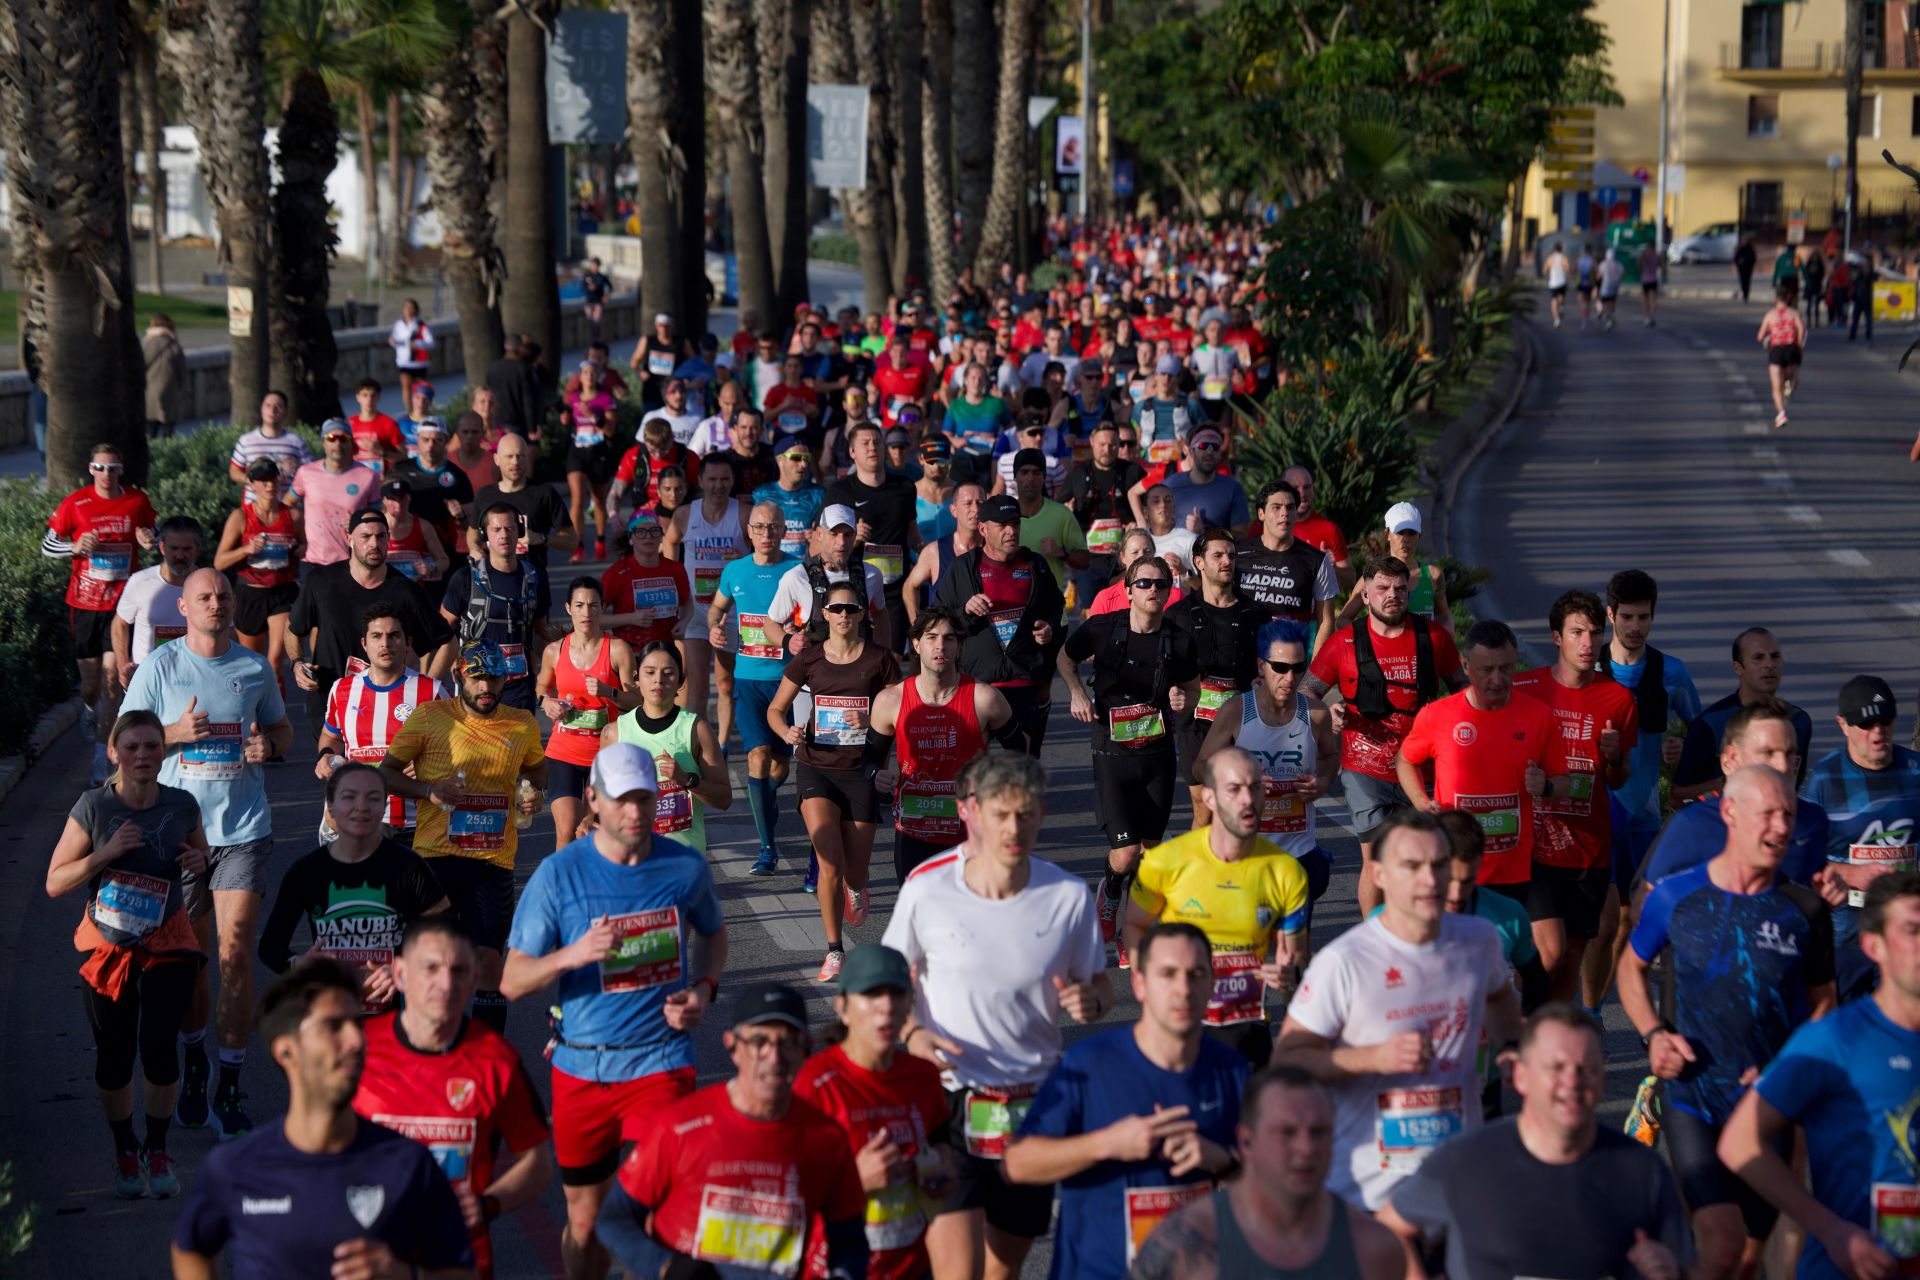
1151,584
1287,668
842,608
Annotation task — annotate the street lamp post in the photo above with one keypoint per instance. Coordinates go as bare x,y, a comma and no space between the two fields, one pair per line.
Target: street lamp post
1660,171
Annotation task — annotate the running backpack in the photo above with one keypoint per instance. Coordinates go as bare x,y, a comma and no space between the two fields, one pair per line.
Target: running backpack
479,612
1370,680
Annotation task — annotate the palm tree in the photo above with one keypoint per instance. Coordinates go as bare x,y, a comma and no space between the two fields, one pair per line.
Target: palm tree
732,83
975,81
909,175
393,45
531,304
936,131
1003,222
688,129
459,164
784,35
212,48
304,355
872,57
60,120
652,85
143,57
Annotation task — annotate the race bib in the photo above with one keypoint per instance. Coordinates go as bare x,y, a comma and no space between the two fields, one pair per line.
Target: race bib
109,562
1499,818
1105,536
977,441
516,655
673,811
163,634
1135,725
132,904
833,722
449,1139
994,1115
646,950
757,639
215,758
1214,693
794,541
1579,802
1238,994
588,437
889,559
590,720
1415,1121
1162,451
276,552
1148,1207
927,809
478,824
1896,1223
660,364
408,563
658,598
792,420
894,1217
751,1231
706,581
1006,624
1213,388
1881,858
1283,810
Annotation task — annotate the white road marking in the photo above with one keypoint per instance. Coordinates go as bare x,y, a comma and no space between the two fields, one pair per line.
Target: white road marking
1909,607
1778,479
1755,428
1803,515
1765,453
1847,556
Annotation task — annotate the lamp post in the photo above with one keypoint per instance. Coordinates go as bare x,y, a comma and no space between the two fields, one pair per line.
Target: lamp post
1660,171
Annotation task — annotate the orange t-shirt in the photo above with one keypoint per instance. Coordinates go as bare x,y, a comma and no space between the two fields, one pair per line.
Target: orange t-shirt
1577,832
1480,763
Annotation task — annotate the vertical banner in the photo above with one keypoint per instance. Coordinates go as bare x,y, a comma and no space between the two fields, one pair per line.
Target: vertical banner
837,136
587,78
1069,145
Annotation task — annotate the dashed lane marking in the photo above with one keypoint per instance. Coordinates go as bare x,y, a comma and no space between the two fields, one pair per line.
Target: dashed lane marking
1847,556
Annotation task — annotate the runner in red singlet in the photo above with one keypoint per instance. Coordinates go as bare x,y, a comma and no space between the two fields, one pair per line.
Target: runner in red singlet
263,542
413,546
583,683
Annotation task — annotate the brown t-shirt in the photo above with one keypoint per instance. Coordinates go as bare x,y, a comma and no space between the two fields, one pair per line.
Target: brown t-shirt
839,688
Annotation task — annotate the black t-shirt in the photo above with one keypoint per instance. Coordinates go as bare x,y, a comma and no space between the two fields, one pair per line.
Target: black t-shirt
1225,641
1092,494
751,472
839,688
333,602
594,286
1131,670
509,623
889,508
541,511
354,911
430,491
1281,582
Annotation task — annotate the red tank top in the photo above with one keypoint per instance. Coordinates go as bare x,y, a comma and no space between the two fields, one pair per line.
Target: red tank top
933,742
408,552
576,738
274,566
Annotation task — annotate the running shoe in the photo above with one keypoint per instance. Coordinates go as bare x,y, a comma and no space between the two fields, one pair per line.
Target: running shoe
229,1115
1109,915
128,1183
191,1111
812,882
830,967
767,864
1779,421
579,556
856,908
599,548
1121,959
1786,391
162,1182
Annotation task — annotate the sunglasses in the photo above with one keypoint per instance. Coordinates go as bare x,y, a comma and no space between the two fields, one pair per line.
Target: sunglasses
797,457
1286,668
1126,444
332,436
843,609
1151,584
102,468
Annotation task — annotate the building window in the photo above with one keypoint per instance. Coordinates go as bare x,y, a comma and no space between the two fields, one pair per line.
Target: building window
1873,40
1763,205
1915,126
1763,115
1761,29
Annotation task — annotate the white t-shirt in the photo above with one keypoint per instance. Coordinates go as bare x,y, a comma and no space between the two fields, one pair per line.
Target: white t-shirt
150,601
1368,986
1611,273
986,966
1557,271
1033,370
683,425
1176,548
793,597
711,436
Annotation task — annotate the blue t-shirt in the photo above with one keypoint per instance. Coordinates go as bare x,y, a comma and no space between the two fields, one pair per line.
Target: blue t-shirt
1852,1082
1871,813
1742,963
279,1212
618,1004
1105,1210
1697,832
1221,502
1640,797
1700,757
800,508
751,586
235,691
934,518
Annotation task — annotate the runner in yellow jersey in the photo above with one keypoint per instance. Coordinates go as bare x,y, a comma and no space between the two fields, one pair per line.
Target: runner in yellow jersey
1242,891
470,757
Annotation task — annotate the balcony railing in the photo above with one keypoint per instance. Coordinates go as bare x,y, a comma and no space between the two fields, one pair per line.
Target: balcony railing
1821,57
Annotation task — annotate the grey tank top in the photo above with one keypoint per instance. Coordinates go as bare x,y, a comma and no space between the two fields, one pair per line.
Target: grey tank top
1237,1258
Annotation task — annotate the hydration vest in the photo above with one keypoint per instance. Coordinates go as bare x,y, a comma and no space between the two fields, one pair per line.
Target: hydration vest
479,611
817,580
1370,681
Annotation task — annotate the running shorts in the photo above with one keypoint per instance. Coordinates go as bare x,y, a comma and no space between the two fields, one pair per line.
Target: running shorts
848,790
481,895
1251,1040
751,698
1786,357
596,462
980,1183
1691,1146
592,1119
1370,802
1133,796
242,867
92,632
252,606
566,781
1574,895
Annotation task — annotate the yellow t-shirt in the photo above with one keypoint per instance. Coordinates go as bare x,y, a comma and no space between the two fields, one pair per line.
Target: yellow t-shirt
1239,905
443,738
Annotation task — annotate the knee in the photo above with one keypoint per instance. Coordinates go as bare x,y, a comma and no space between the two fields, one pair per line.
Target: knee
583,1209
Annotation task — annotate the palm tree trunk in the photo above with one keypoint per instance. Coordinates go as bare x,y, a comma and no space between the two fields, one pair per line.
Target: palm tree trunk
975,81
489,57
872,54
651,87
60,121
218,63
401,211
532,298
936,132
370,183
688,129
1854,53
910,181
732,76
784,35
146,73
1003,223
304,352
460,169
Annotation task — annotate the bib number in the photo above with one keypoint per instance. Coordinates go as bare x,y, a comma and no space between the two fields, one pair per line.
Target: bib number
588,437
1499,818
1238,993
1896,1221
833,722
1161,451
889,559
994,1115
646,950
1282,809
276,552
894,1217
1579,803
215,758
660,364
584,720
1006,624
756,637
516,655
110,562
1213,695
1880,859
1415,1121
1214,388
657,597
673,811
163,634
792,420
753,1232
706,581
1148,1207
1135,725
1104,537
131,904
478,824
927,809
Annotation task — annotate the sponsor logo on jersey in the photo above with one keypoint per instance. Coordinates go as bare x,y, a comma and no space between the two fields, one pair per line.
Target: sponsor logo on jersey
1395,979
460,1091
1464,733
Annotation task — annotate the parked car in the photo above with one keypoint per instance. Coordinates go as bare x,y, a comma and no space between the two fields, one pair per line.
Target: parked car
1714,243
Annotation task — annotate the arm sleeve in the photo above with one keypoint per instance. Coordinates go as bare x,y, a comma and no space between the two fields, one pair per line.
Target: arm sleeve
1650,934
1058,1109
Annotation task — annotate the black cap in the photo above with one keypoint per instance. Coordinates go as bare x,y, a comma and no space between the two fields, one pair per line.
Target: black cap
1029,458
263,469
396,489
769,1002
1004,509
367,515
1866,700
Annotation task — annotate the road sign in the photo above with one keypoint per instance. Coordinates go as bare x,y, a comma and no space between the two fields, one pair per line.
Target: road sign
1038,108
1606,196
1676,179
837,136
1893,301
587,78
1797,226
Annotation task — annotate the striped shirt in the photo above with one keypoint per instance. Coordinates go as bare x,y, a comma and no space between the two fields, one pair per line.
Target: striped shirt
288,451
445,737
366,717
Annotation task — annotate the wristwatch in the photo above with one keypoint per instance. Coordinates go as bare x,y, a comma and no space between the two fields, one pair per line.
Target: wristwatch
1646,1041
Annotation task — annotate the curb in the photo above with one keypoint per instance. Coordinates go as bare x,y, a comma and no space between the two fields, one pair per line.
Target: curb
1468,435
47,730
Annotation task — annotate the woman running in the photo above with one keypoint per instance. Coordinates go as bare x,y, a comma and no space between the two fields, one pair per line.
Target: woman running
585,680
845,674
127,842
646,595
1111,598
686,755
704,536
1427,590
412,545
264,542
590,412
1784,335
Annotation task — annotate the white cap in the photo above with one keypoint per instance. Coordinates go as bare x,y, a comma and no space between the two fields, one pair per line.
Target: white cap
621,769
430,424
724,360
839,514
1403,517
661,317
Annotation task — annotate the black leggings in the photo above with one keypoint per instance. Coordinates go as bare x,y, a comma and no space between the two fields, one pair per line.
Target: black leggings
146,1018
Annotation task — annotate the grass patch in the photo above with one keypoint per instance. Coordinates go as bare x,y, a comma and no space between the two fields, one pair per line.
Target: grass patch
1454,398
187,313
840,248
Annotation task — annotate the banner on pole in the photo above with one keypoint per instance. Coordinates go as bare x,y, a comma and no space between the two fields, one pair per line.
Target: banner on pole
1069,145
587,78
837,136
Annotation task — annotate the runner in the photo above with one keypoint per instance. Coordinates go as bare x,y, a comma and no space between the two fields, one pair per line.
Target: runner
1585,266
1427,584
594,288
225,720
543,519
1164,417
1171,542
1134,1122
1214,366
888,532
754,639
1222,626
1136,544
844,673
263,546
655,356
1494,754
1496,1199
1278,1221
1783,334
747,455
455,1086
890,1106
1096,492
586,679
1312,527
377,443
149,613
1004,942
502,597
321,1192
1572,869
1403,1079
1144,672
1555,269
271,439
648,597
800,500
800,599
1757,665
963,506
743,1176
1244,893
1384,668
1046,527
1729,1020
1282,573
332,492
644,467
413,545
1608,276
478,761
1200,489
704,536
691,772
412,343
939,719
128,843
627,925
975,419
932,493
365,711
101,529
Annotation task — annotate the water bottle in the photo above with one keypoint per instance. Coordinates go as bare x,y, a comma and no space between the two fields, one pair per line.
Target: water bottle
334,761
460,780
521,818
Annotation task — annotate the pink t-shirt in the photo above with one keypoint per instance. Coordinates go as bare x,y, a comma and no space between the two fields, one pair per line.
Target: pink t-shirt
329,500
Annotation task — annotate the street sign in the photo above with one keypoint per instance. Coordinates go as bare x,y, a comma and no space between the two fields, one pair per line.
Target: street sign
1606,196
1069,145
1797,226
837,136
587,78
1676,179
1037,109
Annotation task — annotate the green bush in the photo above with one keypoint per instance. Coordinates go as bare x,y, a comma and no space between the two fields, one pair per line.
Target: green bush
836,247
36,646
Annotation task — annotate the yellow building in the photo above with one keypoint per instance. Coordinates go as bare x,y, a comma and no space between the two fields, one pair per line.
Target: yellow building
1757,117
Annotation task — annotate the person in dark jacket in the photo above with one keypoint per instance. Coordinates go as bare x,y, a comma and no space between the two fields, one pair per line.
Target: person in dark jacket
519,396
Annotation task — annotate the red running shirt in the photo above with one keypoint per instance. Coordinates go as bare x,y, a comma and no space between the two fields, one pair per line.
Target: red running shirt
1480,762
274,566
97,579
934,741
660,591
1369,746
576,739
367,717
1578,832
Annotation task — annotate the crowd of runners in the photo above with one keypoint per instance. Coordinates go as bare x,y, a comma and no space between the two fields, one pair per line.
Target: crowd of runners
867,555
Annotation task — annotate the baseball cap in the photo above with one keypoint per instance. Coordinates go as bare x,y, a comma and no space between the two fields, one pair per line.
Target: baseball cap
335,426
430,424
1029,458
396,489
839,514
1403,517
263,469
367,515
1004,509
792,444
769,1002
1867,700
622,768
936,449
1167,364
898,437
661,317
871,966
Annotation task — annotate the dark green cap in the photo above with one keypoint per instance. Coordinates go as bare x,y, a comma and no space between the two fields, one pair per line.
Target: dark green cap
871,966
